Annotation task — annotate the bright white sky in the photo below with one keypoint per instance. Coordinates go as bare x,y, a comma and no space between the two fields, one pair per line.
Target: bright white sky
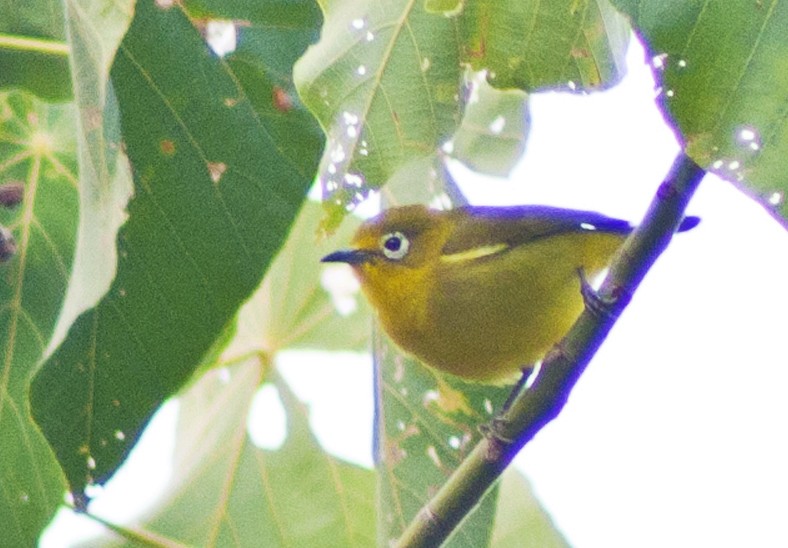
675,436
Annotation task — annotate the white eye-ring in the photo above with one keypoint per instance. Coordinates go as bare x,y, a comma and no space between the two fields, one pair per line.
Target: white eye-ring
395,245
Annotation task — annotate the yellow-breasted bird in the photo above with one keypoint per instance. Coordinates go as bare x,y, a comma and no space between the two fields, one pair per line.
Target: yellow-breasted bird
480,292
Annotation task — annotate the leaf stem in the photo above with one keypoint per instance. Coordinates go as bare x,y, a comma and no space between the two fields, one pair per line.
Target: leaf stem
561,368
41,45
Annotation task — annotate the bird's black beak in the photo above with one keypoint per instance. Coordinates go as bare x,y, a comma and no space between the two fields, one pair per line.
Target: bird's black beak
349,256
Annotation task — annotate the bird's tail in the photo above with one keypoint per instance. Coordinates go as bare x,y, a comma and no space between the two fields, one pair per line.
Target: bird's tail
688,223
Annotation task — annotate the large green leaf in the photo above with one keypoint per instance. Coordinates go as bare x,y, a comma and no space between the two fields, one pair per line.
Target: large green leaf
37,150
225,491
723,71
33,50
386,79
217,185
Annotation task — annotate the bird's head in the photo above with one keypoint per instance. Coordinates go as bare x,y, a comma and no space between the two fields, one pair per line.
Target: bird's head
390,248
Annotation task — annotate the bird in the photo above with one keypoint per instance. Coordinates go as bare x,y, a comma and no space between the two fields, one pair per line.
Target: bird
480,292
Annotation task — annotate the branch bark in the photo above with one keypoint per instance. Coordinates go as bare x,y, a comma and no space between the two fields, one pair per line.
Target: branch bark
561,368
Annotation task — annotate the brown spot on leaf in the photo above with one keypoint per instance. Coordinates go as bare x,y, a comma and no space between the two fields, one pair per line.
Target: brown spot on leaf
281,99
167,147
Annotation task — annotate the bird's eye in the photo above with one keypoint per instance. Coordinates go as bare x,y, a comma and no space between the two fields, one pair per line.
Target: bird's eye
395,245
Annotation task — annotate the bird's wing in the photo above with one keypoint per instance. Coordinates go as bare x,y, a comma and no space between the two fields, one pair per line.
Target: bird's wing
498,228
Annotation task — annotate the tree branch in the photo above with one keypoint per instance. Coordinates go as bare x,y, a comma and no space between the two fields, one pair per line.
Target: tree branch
561,368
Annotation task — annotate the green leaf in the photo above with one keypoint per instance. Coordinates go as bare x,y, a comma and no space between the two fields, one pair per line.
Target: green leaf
723,71
491,138
427,423
521,522
225,491
37,150
567,44
386,80
33,51
216,189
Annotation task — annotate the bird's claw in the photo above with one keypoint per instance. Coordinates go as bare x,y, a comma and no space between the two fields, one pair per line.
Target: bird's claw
599,306
497,430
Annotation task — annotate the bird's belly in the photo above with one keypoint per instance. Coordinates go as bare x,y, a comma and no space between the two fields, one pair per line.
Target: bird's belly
496,340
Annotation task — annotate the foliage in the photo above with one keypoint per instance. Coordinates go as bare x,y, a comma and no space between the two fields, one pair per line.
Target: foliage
721,68
37,147
164,239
